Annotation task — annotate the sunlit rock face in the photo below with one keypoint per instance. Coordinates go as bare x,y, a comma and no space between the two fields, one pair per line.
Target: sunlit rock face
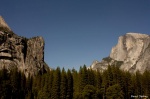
3,24
100,66
25,54
133,49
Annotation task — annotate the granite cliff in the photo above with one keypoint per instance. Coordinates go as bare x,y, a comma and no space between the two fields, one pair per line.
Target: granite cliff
132,53
19,52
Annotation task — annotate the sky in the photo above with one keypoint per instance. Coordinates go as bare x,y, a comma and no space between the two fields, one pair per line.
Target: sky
76,32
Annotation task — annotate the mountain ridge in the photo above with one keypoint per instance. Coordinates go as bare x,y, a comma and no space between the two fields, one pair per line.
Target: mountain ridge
132,50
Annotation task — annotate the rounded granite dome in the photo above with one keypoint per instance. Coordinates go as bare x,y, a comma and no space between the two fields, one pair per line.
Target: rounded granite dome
137,35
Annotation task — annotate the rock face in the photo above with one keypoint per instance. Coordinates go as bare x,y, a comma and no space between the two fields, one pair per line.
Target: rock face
25,54
132,51
3,24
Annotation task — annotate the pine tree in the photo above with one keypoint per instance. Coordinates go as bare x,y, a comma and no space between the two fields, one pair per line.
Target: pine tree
69,85
45,92
89,92
23,85
114,92
121,81
36,85
56,84
98,84
110,75
146,83
75,76
116,74
91,77
98,80
5,91
63,85
83,79
138,84
127,85
15,78
51,77
29,82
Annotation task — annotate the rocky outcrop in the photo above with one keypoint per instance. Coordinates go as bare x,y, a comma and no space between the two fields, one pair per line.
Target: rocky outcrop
25,54
133,50
100,66
3,25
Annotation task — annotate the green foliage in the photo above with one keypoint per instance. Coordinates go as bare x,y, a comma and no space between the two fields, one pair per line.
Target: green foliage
114,92
69,85
56,85
146,83
89,92
113,83
83,78
63,84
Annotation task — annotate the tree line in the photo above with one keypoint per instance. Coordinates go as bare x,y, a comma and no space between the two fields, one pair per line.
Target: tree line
112,83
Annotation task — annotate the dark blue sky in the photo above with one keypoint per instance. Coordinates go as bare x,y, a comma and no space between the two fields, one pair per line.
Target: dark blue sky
76,32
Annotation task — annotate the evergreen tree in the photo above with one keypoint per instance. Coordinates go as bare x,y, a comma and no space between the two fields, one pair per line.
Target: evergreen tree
63,85
23,85
5,85
15,78
127,85
98,85
91,77
36,85
75,76
56,84
112,83
29,82
116,74
98,80
138,84
114,92
110,75
51,77
89,92
146,83
121,81
45,92
69,85
83,79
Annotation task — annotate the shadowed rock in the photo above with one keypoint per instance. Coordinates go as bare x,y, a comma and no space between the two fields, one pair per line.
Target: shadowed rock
25,54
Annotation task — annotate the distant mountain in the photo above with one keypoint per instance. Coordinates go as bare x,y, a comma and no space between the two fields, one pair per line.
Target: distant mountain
25,54
132,53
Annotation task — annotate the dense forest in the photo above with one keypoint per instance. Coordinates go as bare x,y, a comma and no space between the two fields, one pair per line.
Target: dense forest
113,83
